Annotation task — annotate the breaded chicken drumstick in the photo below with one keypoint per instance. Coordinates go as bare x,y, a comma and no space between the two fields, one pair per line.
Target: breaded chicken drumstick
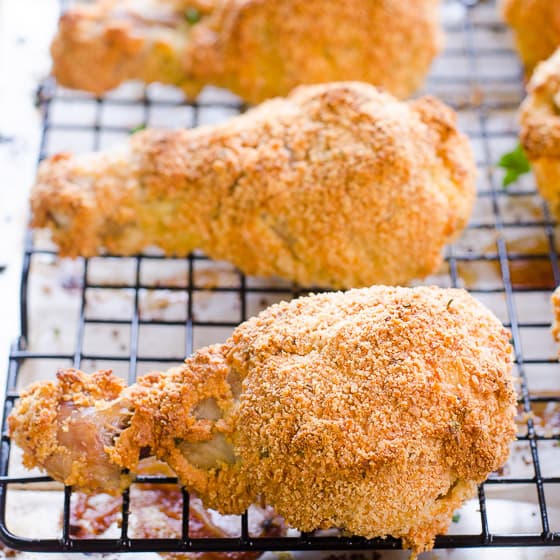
375,410
540,129
536,24
337,185
256,48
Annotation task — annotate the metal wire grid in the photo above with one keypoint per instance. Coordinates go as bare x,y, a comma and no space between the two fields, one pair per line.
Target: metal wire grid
472,91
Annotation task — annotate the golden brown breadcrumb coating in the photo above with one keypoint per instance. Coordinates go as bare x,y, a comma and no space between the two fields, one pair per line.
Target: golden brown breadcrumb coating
256,48
540,129
555,299
536,24
376,410
76,456
337,185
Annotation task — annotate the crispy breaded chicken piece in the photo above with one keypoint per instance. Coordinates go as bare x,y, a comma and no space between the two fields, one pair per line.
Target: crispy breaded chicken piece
256,48
536,24
337,185
375,410
540,129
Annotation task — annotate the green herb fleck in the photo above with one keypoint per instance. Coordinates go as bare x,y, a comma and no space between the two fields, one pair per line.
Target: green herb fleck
449,303
137,129
56,332
454,426
192,15
516,164
456,517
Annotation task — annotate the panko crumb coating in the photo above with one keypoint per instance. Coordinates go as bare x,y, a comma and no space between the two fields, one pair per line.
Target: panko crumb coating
376,411
256,48
540,129
555,300
337,185
536,25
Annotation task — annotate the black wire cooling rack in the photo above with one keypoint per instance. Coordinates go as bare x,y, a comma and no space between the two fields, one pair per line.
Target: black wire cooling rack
479,76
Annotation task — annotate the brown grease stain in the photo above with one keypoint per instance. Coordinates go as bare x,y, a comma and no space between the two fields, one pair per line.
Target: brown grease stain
91,516
525,273
530,273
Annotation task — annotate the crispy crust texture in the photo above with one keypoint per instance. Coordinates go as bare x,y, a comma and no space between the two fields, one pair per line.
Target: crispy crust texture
536,24
256,48
100,45
375,410
540,129
388,395
555,300
337,185
45,421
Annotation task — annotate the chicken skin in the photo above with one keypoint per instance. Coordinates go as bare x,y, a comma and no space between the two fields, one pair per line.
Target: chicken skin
337,185
540,129
375,410
536,24
256,48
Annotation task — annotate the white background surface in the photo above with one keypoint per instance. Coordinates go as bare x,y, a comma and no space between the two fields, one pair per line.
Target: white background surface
26,27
